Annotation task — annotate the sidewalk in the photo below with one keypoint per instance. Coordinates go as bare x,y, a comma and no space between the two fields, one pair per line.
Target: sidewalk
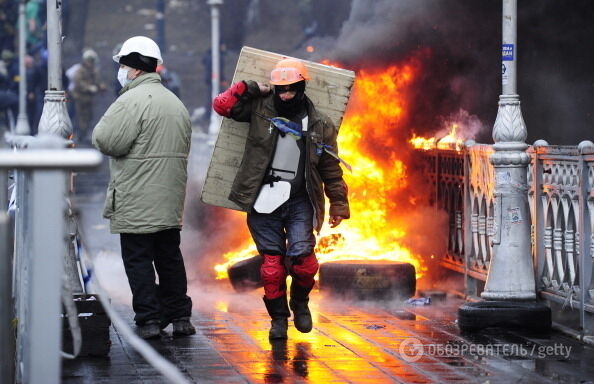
352,342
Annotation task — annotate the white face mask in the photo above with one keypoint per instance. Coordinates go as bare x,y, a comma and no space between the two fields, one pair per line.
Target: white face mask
123,76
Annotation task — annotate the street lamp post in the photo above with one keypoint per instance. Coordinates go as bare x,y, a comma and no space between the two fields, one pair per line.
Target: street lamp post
22,125
511,272
54,118
160,21
213,128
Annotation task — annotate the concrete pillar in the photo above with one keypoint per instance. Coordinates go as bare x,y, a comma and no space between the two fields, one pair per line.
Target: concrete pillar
511,271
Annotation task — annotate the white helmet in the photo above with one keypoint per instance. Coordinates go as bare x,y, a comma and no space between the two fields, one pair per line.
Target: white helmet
140,44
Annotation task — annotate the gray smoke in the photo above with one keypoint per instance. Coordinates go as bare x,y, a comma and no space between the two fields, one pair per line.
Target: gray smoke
555,49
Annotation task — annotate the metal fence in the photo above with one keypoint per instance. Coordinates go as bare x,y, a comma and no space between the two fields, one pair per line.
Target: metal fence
40,178
561,198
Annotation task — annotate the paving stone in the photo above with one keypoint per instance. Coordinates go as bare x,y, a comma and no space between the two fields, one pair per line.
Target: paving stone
350,343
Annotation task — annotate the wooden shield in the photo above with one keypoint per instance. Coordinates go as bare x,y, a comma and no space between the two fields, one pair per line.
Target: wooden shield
329,89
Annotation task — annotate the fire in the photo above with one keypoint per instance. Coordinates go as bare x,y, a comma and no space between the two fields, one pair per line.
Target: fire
371,142
450,141
310,48
423,143
458,127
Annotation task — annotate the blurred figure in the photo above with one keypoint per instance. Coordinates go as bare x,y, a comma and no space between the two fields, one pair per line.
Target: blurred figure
86,85
9,99
170,80
35,91
70,73
35,14
8,21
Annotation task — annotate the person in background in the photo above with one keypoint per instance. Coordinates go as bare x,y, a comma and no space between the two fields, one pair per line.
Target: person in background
9,88
35,15
147,133
86,84
8,22
289,162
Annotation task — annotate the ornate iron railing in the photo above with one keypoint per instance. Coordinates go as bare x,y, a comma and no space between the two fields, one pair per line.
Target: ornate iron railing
561,199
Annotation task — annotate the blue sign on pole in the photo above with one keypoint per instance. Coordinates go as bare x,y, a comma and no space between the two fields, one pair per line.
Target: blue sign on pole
507,52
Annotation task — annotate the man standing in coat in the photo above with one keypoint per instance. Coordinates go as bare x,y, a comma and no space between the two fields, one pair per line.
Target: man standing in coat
146,131
85,86
289,162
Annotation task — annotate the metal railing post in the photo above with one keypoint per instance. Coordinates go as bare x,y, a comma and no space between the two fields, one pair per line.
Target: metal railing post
538,214
6,307
41,351
39,361
467,214
584,233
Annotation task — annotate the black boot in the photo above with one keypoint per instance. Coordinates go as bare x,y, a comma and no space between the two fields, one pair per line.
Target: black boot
149,330
298,304
279,313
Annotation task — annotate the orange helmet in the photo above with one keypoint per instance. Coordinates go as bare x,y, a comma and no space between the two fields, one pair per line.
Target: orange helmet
288,71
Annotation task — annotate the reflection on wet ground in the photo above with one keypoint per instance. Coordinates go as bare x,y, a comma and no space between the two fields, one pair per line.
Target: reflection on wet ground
350,343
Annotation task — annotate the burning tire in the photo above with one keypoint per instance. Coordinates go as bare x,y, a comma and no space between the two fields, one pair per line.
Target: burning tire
531,316
368,280
245,275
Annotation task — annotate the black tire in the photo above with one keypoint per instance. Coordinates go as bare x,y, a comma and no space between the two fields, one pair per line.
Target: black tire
245,275
527,315
368,280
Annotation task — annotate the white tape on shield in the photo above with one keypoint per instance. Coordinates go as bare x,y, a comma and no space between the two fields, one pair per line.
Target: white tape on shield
270,198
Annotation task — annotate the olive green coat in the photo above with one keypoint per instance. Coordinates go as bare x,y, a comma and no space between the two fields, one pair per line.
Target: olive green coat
147,132
322,171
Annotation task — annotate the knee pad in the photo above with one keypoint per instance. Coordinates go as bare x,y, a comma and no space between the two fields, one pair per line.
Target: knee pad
304,268
274,276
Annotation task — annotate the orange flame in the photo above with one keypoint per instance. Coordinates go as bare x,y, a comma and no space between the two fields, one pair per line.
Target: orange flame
451,141
367,140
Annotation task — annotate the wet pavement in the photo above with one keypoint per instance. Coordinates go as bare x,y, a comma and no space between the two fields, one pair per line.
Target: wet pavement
352,342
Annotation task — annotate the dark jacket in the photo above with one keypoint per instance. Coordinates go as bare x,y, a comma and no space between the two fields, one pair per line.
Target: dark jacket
322,171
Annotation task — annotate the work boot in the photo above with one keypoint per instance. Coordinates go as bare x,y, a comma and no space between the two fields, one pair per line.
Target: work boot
298,304
149,330
183,327
279,313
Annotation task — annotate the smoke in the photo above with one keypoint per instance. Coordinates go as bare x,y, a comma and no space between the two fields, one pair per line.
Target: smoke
460,64
467,125
555,49
459,43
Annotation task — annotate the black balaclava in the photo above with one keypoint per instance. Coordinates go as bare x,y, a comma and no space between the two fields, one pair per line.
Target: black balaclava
293,107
